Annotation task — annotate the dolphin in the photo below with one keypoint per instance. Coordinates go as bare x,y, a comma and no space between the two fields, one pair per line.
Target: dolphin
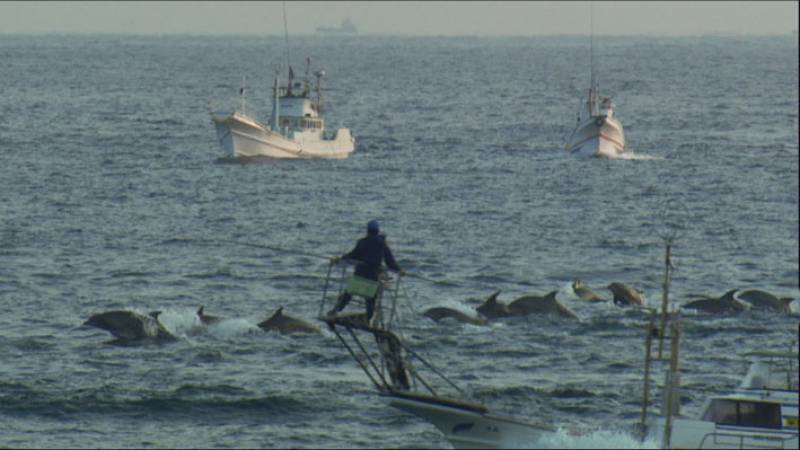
724,304
764,300
586,293
492,309
128,326
438,313
626,295
207,319
533,304
286,324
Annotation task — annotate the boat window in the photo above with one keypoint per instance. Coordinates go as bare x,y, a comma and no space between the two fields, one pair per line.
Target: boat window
758,414
744,413
722,412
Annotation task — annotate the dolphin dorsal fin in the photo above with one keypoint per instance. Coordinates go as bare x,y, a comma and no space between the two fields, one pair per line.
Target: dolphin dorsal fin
200,310
493,298
154,314
279,312
551,296
728,296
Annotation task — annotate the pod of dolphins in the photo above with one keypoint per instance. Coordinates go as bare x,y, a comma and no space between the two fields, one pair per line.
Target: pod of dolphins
733,301
130,327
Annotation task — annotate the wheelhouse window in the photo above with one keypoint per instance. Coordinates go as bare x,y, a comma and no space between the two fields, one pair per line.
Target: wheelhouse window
744,413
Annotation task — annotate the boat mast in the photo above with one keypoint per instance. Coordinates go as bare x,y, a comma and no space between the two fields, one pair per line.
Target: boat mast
591,45
288,56
592,81
275,104
242,101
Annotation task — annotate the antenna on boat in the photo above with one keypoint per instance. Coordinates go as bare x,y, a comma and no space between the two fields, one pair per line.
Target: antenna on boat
307,83
671,225
288,56
319,74
275,103
242,100
286,34
591,45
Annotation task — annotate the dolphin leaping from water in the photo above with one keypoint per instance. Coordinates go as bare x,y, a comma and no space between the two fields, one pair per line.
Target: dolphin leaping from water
626,295
128,326
493,309
725,304
585,293
764,300
440,312
286,324
533,304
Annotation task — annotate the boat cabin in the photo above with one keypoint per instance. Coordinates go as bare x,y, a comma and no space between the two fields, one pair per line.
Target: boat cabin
298,114
766,398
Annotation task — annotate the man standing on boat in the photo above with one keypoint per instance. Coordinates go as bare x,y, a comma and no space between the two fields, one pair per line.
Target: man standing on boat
370,252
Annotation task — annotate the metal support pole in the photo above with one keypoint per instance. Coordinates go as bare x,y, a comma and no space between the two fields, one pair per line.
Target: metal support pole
673,376
646,390
665,297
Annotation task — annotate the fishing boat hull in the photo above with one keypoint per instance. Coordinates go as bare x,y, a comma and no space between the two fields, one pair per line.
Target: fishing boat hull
598,136
242,136
469,427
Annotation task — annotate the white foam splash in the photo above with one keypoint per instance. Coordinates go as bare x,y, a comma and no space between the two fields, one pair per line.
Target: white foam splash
612,439
640,157
232,327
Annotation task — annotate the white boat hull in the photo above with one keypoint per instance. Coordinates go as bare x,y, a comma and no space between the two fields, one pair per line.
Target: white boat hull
466,428
598,136
242,136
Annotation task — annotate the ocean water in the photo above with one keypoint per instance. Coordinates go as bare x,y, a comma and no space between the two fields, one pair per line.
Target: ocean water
115,194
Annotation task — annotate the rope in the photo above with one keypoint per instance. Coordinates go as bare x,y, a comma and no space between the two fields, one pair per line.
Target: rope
320,256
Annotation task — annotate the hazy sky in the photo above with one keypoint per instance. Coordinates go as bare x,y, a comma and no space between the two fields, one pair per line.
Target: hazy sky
404,18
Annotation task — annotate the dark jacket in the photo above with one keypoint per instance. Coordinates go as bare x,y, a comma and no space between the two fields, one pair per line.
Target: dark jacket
370,251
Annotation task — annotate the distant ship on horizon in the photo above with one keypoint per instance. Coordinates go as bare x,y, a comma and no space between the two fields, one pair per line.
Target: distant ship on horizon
346,27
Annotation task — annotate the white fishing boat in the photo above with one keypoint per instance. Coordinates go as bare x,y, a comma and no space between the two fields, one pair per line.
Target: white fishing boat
598,132
761,413
296,128
396,372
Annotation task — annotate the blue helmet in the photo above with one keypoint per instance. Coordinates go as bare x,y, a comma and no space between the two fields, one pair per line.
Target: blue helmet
373,226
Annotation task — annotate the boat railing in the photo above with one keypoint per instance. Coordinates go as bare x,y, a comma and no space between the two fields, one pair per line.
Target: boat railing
391,365
715,439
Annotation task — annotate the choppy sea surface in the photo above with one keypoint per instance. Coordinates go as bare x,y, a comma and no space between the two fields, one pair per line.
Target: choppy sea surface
115,194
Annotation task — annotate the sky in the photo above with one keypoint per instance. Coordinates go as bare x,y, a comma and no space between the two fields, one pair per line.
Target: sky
428,18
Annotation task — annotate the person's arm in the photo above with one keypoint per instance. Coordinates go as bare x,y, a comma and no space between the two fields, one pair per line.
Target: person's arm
355,253
389,258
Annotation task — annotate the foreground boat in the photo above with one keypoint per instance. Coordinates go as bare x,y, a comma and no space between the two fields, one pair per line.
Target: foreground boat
296,130
465,424
761,413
